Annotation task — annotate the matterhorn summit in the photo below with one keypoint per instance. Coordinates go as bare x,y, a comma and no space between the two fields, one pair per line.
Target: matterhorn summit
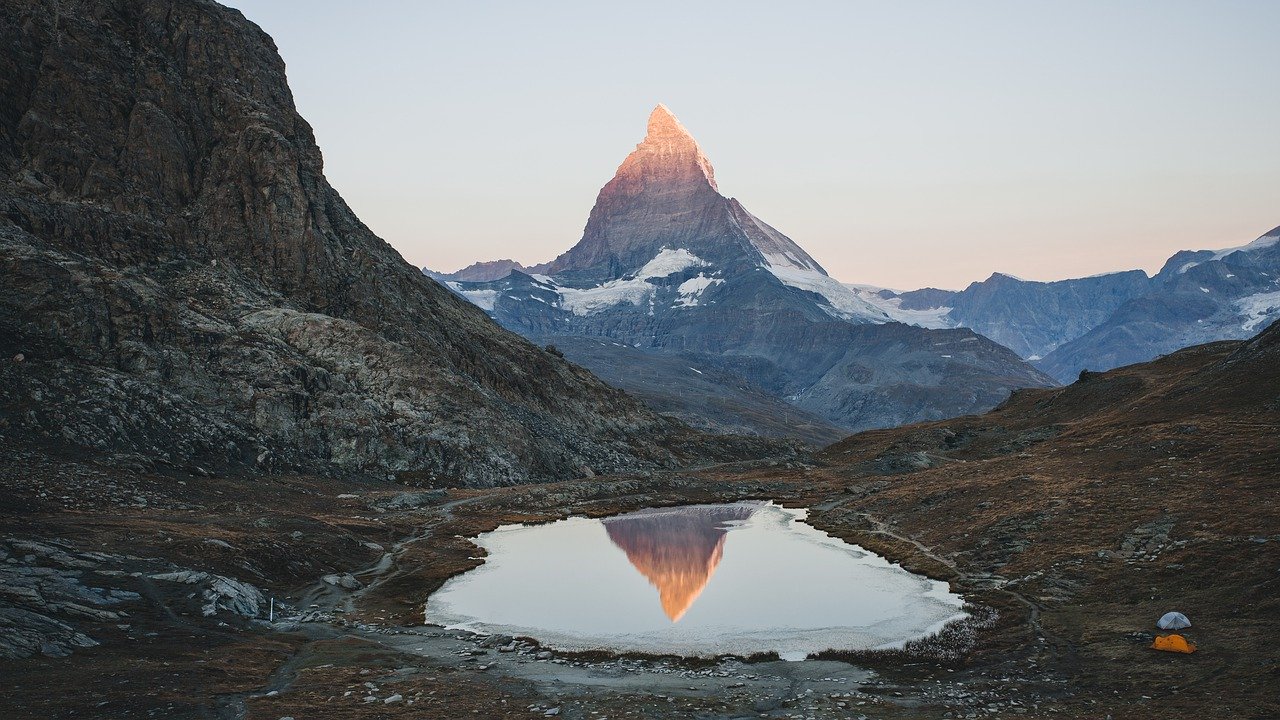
664,196
668,154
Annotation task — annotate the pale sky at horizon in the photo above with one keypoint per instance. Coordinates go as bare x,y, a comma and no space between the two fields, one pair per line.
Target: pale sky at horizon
901,144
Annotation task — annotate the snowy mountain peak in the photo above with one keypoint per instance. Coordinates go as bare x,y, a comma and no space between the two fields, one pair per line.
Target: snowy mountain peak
664,199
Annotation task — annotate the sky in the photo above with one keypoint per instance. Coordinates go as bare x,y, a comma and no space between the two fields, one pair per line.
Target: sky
902,144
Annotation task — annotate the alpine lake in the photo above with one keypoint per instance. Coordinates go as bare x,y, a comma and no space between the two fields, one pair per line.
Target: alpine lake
695,581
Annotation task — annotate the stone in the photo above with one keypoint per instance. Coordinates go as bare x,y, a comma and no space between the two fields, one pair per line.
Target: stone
409,500
219,592
345,580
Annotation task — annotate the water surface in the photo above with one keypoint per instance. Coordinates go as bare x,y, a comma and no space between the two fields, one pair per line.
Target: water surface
697,580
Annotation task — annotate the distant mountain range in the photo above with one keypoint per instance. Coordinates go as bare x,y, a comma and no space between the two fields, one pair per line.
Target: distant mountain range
667,267
485,271
1105,321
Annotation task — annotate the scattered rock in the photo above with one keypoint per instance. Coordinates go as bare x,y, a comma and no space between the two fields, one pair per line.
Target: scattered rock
220,593
345,580
409,500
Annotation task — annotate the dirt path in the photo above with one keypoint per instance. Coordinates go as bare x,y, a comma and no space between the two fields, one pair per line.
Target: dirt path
323,596
320,599
1057,648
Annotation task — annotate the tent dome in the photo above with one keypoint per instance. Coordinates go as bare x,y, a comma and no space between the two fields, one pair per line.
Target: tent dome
1173,621
1173,643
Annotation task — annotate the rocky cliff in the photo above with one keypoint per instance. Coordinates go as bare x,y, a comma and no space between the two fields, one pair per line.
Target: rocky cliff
182,288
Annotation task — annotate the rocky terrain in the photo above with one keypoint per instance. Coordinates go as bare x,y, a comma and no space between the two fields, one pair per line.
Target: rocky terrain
668,269
183,290
1070,518
1105,321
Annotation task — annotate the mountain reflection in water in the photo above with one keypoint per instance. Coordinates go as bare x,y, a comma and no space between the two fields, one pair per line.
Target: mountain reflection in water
677,549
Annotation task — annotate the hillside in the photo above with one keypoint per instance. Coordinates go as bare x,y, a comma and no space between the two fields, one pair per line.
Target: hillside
1088,511
183,289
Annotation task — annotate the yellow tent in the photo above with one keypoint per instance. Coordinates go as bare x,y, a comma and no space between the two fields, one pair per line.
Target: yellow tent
1173,643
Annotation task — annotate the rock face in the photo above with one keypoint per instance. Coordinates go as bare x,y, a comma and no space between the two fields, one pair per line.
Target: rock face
185,289
1033,318
669,266
1105,321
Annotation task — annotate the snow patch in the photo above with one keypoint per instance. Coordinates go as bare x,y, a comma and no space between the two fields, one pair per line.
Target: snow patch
1258,309
482,299
1261,243
842,302
668,262
936,318
692,288
591,300
635,290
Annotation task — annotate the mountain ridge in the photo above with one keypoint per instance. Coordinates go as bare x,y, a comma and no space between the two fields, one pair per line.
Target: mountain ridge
1104,321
